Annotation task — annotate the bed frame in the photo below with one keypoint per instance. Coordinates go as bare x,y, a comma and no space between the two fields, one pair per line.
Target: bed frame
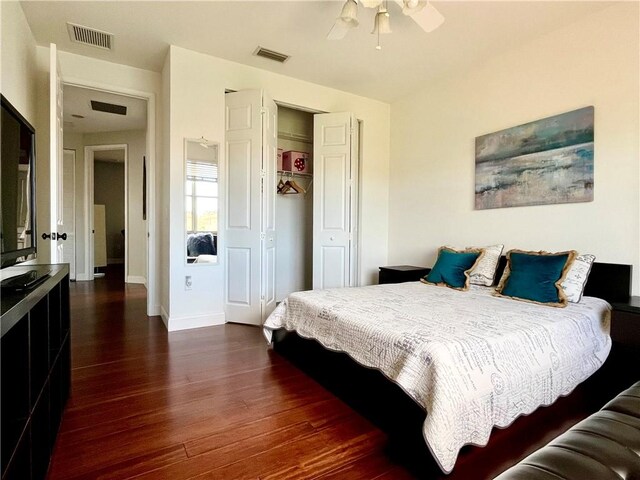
357,386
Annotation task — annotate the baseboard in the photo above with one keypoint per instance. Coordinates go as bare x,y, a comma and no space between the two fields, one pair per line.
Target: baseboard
115,261
195,321
165,316
136,279
154,311
83,277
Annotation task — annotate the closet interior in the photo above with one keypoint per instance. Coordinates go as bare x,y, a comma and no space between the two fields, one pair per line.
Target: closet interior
294,202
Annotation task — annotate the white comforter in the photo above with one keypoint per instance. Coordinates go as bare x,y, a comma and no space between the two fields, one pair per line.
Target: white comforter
471,360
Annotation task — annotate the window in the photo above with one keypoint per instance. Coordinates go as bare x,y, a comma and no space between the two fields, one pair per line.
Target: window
201,202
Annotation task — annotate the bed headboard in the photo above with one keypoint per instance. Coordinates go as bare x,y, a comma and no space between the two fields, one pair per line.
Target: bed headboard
609,281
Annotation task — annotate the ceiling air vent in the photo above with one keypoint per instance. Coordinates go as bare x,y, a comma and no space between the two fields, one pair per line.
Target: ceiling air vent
271,55
90,36
108,107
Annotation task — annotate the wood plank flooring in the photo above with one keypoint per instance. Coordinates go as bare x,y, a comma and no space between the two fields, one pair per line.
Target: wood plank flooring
216,403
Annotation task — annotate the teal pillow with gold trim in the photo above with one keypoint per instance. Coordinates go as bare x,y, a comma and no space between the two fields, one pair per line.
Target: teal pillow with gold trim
452,267
536,277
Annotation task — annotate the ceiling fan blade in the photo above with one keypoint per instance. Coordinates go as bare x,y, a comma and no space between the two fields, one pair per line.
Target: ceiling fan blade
339,30
427,17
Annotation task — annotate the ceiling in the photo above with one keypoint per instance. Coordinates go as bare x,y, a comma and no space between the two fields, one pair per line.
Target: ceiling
473,32
77,101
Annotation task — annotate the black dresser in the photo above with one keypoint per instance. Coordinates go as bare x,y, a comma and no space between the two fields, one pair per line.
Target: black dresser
36,371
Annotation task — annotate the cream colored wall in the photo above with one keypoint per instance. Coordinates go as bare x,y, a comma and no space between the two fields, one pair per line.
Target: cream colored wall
591,62
17,60
163,185
196,105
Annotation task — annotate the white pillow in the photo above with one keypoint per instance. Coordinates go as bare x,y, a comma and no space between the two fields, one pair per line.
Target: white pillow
576,279
485,270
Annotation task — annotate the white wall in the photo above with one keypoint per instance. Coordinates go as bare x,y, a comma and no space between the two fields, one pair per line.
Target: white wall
17,60
196,105
591,62
163,184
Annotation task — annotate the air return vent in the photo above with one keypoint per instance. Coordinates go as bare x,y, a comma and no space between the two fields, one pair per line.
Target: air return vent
108,107
271,55
90,36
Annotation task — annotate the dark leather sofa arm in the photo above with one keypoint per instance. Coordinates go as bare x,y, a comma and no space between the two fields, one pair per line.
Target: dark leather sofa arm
605,445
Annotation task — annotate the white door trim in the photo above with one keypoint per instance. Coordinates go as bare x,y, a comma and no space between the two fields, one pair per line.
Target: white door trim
73,271
153,246
89,159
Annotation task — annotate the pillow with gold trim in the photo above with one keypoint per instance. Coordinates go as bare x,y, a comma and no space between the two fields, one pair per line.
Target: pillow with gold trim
453,266
536,277
484,271
577,276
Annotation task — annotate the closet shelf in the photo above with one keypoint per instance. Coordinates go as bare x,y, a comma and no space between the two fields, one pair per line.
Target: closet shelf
296,137
294,174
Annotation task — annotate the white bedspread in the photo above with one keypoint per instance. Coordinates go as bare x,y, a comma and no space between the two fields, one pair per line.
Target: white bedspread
471,360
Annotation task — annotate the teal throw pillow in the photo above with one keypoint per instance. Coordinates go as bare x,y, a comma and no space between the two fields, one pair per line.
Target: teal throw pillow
452,268
536,277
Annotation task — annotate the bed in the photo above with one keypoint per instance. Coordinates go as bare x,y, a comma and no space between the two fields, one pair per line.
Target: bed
470,360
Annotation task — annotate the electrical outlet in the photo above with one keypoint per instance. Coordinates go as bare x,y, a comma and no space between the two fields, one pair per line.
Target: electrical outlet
187,282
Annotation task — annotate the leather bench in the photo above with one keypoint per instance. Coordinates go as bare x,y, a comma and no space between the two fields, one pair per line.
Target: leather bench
605,445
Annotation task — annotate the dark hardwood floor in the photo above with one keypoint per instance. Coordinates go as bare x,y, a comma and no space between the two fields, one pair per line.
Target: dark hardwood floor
215,403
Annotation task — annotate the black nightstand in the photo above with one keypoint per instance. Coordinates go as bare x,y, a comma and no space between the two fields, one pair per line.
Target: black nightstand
625,337
401,273
625,323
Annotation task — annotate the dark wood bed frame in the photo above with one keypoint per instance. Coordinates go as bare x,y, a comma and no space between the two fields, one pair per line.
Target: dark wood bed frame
372,395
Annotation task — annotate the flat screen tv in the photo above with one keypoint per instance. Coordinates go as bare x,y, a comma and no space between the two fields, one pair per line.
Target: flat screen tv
17,194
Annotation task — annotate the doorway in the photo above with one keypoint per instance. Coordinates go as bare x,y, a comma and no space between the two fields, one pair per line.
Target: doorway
108,217
109,133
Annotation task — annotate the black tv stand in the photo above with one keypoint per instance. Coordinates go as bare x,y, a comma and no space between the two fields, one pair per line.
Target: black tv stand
26,280
35,369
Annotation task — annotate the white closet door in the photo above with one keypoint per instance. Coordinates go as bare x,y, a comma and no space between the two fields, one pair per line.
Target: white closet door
269,166
334,205
243,220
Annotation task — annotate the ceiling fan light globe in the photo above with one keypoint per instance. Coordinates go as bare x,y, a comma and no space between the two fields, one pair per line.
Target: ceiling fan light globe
382,23
349,13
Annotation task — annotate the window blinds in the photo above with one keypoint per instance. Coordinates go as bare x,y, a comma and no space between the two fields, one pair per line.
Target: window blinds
202,171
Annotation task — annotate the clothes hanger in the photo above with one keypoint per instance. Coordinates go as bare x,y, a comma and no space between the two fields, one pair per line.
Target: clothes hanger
296,187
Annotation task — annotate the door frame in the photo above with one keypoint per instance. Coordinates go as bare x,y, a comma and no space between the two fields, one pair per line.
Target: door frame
355,196
153,245
73,272
89,169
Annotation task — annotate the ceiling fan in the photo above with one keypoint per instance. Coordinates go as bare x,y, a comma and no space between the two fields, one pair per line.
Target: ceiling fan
421,11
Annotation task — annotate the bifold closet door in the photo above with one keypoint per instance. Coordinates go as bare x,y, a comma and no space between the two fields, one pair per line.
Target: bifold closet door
250,237
334,200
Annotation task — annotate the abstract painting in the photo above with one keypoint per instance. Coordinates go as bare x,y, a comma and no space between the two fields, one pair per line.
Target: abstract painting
539,163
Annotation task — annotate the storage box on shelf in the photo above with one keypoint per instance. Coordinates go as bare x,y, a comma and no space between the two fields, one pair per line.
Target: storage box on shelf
296,162
36,372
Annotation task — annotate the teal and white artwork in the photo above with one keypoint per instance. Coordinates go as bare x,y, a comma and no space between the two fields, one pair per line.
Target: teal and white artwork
539,163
